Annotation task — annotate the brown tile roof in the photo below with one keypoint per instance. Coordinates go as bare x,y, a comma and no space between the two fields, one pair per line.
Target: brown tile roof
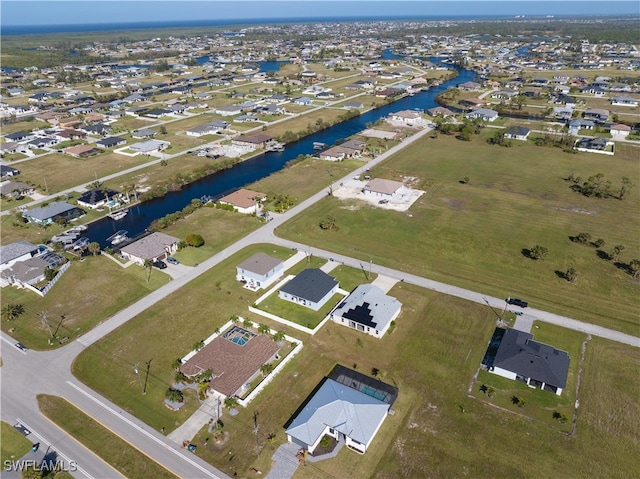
232,365
243,198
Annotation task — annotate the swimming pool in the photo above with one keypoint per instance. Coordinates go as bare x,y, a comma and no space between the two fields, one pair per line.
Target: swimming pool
238,335
374,393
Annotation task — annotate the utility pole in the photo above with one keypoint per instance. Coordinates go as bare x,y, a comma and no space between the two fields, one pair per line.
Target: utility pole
255,431
45,322
62,318
146,378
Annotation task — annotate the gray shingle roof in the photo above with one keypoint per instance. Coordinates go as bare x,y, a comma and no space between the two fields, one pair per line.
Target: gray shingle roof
310,284
260,263
519,354
53,209
12,251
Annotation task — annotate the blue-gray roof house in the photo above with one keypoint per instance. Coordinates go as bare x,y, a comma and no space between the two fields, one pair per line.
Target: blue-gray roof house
311,288
18,251
367,309
538,365
52,212
339,411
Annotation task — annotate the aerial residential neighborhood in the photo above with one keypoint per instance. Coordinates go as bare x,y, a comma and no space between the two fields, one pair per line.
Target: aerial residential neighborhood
385,241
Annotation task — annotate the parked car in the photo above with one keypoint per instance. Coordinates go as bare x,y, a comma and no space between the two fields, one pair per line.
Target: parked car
517,302
172,260
22,347
160,264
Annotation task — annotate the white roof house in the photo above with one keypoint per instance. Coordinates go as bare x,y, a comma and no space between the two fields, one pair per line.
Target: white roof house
383,188
367,309
152,247
149,146
259,271
339,411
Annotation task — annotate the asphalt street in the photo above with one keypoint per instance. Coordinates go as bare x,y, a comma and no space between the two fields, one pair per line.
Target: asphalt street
26,375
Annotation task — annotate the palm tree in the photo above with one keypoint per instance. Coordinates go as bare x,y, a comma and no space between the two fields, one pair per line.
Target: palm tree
484,389
634,266
234,319
148,265
278,337
12,311
571,275
247,324
231,403
515,400
94,248
179,377
266,368
174,395
264,329
176,363
197,346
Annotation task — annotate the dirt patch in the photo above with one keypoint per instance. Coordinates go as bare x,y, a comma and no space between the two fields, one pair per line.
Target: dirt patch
576,210
455,203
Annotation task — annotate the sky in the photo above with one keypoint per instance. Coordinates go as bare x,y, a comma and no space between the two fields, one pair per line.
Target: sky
53,12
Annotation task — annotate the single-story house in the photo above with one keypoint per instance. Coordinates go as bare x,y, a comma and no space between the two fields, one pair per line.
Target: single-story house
29,271
538,365
149,146
6,170
52,212
311,288
244,201
234,358
82,151
348,406
408,117
43,142
440,110
152,247
258,140
70,134
337,153
205,129
228,110
620,130
19,136
12,188
245,118
303,100
367,309
469,86
578,124
484,114
144,133
517,133
12,147
111,142
271,109
382,188
624,101
472,102
596,114
158,113
353,104
96,197
14,252
593,145
259,271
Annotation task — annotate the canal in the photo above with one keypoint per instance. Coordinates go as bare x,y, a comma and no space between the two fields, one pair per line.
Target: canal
249,171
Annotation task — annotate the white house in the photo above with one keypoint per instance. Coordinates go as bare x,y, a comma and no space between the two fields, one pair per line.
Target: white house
624,101
407,117
153,247
517,133
311,288
259,271
348,406
14,252
538,365
26,272
620,130
484,114
244,201
384,189
367,309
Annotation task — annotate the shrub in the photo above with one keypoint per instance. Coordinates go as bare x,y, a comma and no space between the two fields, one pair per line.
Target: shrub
194,240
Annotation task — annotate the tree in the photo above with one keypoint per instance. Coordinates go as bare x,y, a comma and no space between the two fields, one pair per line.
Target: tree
538,252
583,238
49,274
12,311
179,377
515,400
624,187
484,388
94,248
148,264
176,363
278,337
556,415
234,319
599,243
194,240
247,323
634,266
197,346
264,329
570,275
163,129
266,368
174,395
328,223
616,252
231,402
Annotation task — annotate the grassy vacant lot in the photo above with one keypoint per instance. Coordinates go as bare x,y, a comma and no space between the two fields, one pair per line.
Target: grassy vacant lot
298,124
165,332
475,235
431,357
13,445
539,405
114,451
305,178
62,171
95,281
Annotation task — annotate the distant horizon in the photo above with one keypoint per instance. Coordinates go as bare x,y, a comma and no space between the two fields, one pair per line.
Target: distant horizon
68,13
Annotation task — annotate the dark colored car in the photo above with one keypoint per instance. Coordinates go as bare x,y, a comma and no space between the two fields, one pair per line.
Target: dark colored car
160,264
517,302
172,260
22,347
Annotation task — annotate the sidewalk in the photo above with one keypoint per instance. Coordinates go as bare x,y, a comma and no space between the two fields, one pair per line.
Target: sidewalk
285,462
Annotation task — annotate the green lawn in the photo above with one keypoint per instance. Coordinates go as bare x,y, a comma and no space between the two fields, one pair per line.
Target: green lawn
349,278
13,445
165,332
473,235
95,281
297,313
116,452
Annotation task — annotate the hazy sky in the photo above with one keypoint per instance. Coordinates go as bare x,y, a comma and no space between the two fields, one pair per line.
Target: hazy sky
43,12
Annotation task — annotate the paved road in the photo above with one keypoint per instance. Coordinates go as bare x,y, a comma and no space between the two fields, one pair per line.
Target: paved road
25,375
